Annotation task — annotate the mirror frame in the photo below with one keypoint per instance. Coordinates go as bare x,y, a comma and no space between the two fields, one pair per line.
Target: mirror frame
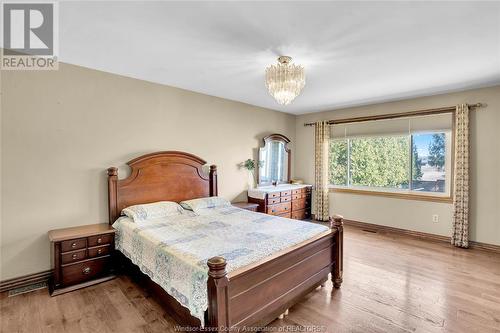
285,140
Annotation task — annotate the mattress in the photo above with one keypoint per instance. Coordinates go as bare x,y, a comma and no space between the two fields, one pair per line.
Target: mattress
173,251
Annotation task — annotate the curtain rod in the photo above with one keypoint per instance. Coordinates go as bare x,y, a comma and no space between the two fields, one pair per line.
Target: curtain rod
398,115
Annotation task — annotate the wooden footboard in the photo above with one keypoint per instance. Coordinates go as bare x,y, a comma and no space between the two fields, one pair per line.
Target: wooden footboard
259,293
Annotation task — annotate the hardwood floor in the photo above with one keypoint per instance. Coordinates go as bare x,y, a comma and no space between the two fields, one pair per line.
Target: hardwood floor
392,283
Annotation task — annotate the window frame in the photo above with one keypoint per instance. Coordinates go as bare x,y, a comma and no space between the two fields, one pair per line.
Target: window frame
408,194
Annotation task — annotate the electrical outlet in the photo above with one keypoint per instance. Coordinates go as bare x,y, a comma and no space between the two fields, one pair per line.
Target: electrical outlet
435,218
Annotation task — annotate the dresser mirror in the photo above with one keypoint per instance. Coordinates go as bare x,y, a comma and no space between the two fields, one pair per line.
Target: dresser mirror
274,160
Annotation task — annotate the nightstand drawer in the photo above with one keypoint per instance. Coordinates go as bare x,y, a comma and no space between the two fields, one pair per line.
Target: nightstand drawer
76,263
251,206
100,240
83,271
73,244
99,251
73,256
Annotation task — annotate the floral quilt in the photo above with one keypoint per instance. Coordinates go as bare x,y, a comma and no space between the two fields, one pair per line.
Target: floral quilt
173,251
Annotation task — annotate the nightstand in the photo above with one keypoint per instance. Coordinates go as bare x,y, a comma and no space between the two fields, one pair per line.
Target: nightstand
247,205
81,256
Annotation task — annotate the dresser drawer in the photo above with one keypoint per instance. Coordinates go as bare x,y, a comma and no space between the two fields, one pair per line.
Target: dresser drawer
296,196
286,193
299,214
83,271
73,244
299,204
274,201
287,215
100,240
73,256
273,195
279,208
286,199
99,251
297,191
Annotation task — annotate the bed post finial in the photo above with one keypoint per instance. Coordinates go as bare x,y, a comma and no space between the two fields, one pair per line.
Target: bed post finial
217,267
337,224
112,171
112,194
213,180
218,312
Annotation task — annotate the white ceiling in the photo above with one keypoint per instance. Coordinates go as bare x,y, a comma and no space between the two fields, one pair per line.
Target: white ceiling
354,52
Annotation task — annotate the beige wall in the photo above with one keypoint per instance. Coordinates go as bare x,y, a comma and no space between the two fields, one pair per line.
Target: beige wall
417,215
62,129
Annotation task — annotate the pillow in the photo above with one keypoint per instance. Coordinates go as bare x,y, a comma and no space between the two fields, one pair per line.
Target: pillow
153,210
202,203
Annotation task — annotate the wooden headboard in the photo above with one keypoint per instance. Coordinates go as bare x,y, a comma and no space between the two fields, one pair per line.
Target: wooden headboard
162,176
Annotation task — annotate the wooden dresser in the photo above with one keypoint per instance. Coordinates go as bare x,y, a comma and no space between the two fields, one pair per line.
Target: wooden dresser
81,256
292,201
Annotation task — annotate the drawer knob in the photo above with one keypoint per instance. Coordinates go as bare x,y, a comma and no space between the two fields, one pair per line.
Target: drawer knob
99,240
86,270
74,256
73,245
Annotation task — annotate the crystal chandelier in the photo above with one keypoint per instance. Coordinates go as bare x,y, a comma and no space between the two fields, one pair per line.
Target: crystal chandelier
284,80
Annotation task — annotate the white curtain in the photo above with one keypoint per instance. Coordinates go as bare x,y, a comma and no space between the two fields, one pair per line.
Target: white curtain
322,136
460,235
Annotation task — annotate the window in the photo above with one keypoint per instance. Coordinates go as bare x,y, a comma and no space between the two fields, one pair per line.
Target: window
404,155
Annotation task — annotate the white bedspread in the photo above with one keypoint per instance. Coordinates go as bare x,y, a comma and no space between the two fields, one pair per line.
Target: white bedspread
174,251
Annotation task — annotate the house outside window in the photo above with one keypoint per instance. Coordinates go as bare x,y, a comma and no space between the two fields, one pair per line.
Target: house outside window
404,156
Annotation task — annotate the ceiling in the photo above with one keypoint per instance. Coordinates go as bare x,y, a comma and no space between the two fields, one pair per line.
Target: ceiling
354,53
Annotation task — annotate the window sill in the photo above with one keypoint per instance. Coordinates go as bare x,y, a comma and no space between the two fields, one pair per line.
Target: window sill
396,195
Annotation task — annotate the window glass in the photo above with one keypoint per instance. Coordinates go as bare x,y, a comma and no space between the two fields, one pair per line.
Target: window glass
428,162
338,162
380,161
410,162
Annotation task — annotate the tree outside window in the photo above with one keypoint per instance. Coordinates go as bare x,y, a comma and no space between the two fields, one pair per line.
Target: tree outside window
388,162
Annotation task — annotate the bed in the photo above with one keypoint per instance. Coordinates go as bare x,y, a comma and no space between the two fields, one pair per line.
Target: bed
237,291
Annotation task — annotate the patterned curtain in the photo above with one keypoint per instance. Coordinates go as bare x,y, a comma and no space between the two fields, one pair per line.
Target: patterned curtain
322,136
460,235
